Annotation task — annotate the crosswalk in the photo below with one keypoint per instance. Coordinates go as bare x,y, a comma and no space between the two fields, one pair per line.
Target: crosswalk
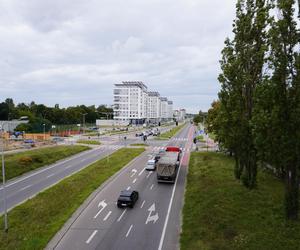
156,149
111,147
179,139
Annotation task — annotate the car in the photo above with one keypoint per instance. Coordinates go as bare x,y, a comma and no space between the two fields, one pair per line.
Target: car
151,165
127,198
139,134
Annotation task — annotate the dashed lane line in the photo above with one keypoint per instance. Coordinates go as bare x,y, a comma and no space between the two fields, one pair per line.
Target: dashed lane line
129,230
91,237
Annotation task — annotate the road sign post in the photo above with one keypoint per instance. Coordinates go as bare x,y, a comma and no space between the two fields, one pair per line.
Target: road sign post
3,180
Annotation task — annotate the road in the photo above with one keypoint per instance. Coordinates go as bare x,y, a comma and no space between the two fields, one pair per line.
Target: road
154,222
28,185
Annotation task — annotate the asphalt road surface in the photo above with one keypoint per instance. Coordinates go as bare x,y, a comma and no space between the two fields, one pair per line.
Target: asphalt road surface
154,222
28,185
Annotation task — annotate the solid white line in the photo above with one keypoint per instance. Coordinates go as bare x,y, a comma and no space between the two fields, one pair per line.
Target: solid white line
169,209
121,215
91,237
143,204
142,171
106,217
134,180
25,187
148,175
128,232
128,188
151,186
50,175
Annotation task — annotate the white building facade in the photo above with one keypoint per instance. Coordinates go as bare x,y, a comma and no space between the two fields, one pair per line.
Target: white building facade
170,110
153,107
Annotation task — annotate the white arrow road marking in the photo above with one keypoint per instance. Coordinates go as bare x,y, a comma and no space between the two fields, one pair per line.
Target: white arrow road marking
141,172
153,218
106,217
128,232
133,172
121,215
91,237
101,204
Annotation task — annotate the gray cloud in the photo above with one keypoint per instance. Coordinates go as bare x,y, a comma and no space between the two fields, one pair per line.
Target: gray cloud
72,52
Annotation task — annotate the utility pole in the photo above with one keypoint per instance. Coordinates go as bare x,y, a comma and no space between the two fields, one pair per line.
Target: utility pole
3,180
299,9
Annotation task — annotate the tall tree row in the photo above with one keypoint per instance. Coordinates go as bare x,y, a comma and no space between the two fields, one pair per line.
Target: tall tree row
258,113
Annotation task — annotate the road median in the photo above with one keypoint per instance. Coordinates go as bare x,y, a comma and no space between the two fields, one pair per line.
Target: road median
35,222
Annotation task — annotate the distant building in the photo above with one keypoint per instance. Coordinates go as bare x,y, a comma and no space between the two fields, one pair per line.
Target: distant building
170,110
154,103
164,108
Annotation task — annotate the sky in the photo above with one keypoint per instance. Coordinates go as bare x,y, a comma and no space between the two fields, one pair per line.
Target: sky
72,52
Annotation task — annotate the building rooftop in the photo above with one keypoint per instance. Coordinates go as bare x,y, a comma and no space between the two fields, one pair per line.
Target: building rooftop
132,84
153,93
170,102
164,99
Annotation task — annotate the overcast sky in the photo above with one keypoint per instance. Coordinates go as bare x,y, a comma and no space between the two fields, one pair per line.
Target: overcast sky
72,52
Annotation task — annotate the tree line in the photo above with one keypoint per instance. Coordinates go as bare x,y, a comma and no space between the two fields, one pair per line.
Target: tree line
39,114
257,115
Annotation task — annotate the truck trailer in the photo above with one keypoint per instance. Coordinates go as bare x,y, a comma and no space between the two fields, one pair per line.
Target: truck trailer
167,166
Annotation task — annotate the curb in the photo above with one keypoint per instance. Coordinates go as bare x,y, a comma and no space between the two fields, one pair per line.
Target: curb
61,233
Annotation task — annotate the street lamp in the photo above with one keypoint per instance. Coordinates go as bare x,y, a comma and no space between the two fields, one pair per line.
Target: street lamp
83,121
3,180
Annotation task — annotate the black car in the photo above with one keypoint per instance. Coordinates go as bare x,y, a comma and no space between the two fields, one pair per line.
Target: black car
139,134
127,198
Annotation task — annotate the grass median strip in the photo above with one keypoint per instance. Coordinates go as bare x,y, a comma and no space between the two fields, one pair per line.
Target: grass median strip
35,222
92,142
170,133
23,162
219,213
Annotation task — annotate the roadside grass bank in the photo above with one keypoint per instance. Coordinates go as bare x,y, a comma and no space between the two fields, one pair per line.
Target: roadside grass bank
170,133
33,224
23,162
220,213
91,142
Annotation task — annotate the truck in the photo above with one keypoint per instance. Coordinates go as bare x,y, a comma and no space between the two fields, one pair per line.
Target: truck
168,164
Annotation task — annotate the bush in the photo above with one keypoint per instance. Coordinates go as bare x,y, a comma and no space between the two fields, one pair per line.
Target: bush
25,160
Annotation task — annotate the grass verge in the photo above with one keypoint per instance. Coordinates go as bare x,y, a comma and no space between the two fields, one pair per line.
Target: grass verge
219,213
91,142
23,162
35,222
139,145
170,133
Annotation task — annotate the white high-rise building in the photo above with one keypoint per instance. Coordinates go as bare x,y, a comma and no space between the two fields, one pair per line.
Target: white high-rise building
153,107
164,108
130,102
170,110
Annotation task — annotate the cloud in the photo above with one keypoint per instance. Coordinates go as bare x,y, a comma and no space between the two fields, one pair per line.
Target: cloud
72,51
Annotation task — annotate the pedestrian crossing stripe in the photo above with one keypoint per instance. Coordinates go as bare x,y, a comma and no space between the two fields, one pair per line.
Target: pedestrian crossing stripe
179,139
156,149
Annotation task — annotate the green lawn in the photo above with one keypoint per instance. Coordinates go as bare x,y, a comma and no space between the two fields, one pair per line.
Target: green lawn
92,142
20,163
219,213
170,133
139,144
33,224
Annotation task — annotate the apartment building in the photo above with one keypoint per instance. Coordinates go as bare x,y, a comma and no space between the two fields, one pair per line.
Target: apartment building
130,102
134,104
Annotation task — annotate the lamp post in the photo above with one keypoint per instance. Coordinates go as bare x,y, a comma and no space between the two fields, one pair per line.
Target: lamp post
3,181
83,121
299,8
44,125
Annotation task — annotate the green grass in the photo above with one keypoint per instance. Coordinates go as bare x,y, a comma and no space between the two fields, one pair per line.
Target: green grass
34,223
92,142
219,213
170,133
23,162
139,144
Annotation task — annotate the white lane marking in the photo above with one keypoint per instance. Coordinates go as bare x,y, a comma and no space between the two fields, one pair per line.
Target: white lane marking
106,217
141,171
67,167
101,204
153,218
50,175
134,180
82,160
128,188
91,236
133,172
128,232
22,189
149,174
143,204
151,186
169,208
121,215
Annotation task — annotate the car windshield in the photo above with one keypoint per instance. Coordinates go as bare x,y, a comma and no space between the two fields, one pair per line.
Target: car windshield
124,198
150,163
